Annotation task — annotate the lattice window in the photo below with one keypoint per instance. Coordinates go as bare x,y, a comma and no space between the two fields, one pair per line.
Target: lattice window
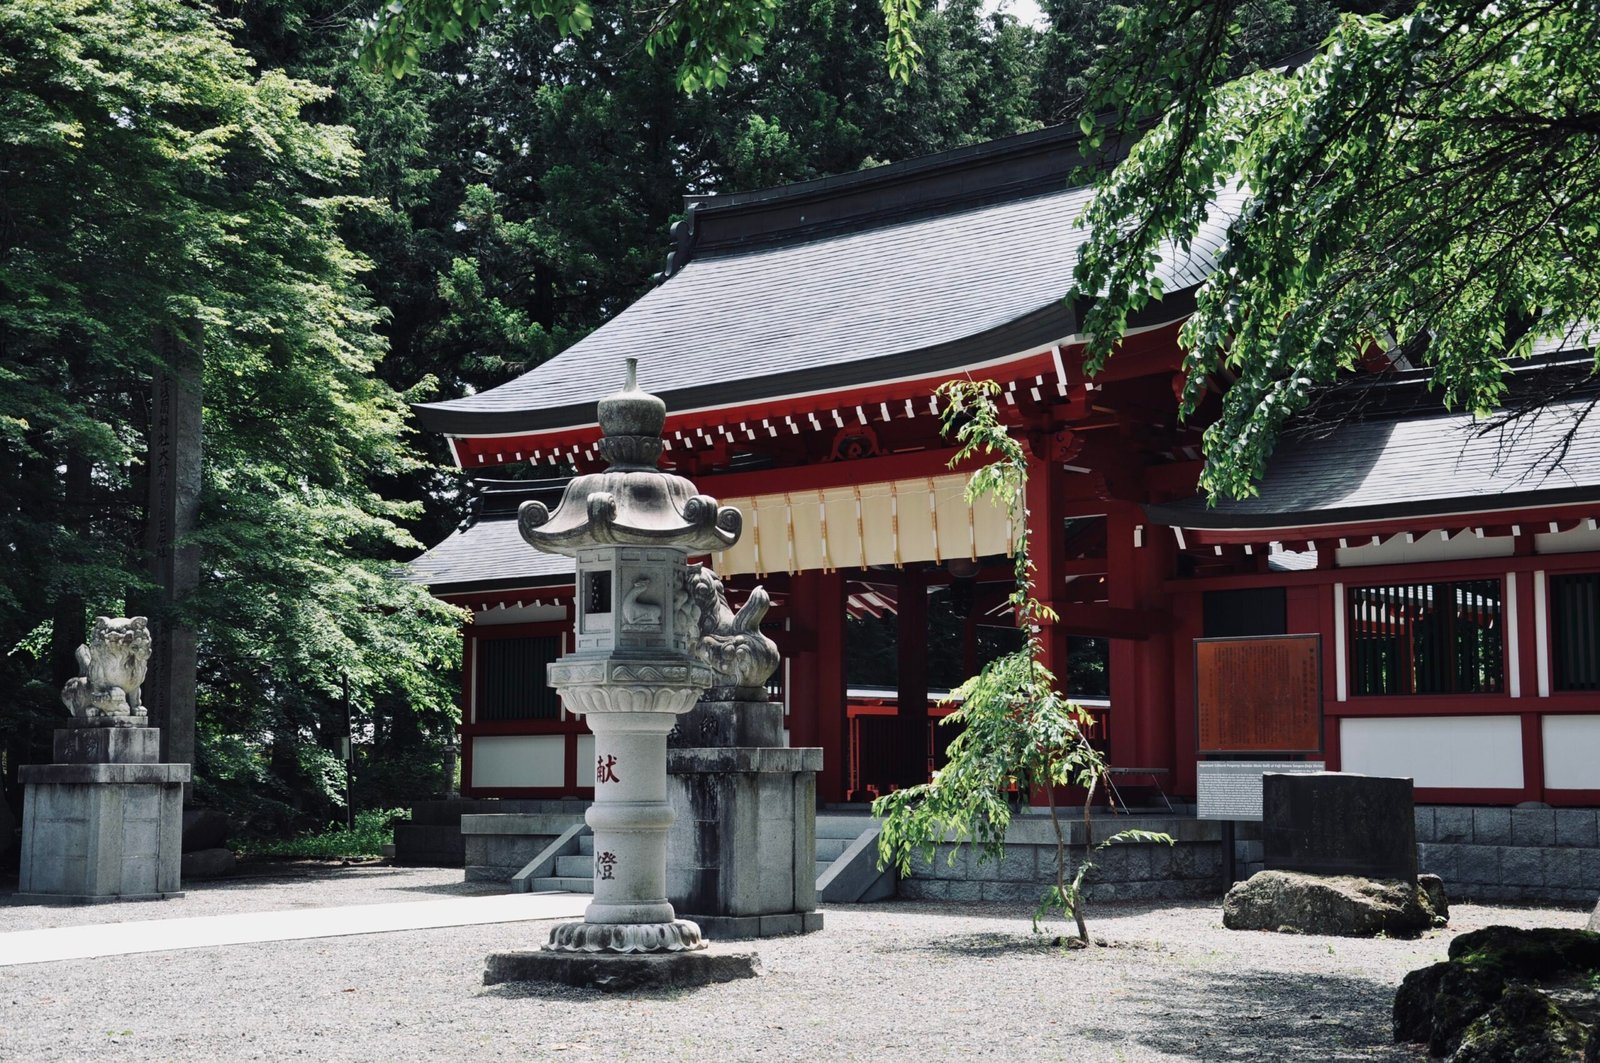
1427,638
511,679
1575,612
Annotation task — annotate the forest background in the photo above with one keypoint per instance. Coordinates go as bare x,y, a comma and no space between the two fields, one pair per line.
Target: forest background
226,177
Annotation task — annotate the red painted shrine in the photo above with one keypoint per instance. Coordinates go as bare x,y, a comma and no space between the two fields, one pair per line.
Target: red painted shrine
798,338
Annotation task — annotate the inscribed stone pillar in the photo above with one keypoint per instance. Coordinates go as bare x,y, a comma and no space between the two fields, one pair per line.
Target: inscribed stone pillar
173,508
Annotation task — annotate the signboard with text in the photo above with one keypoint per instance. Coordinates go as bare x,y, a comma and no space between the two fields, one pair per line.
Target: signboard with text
1258,695
1233,789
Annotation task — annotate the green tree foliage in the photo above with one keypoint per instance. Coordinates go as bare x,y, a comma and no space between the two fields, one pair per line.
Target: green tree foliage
711,40
1016,730
156,185
1424,184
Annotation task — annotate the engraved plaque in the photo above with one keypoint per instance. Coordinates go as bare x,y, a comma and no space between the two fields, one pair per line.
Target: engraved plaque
1340,824
1259,695
1232,789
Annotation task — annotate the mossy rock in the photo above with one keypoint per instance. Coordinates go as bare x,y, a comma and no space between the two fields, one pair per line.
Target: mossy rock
1538,953
1507,994
1527,1026
1343,905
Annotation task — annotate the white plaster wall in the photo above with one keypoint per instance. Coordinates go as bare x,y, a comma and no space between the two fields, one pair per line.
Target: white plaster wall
1572,752
586,760
1446,751
520,760
1429,547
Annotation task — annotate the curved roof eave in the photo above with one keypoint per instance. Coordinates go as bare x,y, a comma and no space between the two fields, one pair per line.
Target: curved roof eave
1042,327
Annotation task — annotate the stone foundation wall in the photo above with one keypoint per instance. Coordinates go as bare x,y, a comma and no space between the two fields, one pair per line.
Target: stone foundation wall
497,846
432,836
1550,855
1191,868
1543,855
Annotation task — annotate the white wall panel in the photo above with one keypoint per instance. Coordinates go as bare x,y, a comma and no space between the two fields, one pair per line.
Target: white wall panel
1470,752
1572,752
586,760
519,760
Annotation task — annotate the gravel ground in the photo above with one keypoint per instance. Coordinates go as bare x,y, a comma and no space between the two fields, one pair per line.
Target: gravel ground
885,982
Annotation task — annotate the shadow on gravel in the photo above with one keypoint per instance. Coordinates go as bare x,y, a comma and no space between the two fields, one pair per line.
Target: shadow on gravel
1216,1016
1000,944
454,889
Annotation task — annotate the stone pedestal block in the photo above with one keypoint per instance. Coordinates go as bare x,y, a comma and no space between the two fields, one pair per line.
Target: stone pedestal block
741,856
1333,823
107,825
729,723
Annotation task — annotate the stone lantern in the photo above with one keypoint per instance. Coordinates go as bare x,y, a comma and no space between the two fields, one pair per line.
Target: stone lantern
632,670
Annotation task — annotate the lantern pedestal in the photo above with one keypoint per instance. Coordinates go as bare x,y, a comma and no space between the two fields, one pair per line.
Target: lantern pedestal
630,815
620,973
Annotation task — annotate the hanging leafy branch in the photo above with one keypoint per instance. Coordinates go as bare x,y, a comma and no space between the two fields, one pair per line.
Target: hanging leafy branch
1425,188
713,37
1017,732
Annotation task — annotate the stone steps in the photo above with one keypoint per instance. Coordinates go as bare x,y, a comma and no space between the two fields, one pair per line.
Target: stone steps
579,866
846,867
830,849
566,885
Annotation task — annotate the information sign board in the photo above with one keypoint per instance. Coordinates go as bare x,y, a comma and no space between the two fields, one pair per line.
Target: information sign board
1258,695
1232,789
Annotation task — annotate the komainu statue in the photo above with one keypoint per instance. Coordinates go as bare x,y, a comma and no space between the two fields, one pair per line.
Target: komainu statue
732,644
111,667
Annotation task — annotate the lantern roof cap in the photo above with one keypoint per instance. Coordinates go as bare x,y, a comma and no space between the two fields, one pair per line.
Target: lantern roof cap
633,502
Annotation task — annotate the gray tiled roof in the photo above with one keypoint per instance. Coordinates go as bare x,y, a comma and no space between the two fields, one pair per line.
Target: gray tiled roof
907,297
1406,465
488,555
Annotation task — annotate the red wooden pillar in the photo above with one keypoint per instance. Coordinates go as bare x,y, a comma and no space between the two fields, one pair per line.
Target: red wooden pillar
1046,545
1137,564
1188,624
816,675
910,757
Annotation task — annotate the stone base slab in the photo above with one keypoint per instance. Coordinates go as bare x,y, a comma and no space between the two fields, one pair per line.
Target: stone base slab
746,927
103,774
84,898
622,973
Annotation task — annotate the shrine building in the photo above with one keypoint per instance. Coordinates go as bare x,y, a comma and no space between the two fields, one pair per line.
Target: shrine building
1452,573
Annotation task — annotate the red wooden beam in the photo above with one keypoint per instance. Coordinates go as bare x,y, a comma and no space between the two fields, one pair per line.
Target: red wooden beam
1110,621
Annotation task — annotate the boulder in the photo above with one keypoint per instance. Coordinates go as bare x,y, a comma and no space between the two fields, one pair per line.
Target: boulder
208,863
1341,905
1507,994
1526,1025
204,828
